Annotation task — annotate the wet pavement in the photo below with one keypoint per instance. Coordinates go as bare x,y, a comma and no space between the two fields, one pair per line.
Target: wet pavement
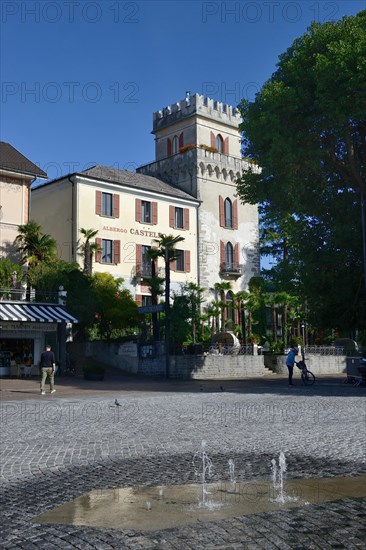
56,448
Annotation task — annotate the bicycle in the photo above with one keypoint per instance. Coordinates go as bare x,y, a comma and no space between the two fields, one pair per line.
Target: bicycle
307,377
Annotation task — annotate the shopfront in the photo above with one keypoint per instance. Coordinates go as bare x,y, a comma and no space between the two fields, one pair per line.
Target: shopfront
26,329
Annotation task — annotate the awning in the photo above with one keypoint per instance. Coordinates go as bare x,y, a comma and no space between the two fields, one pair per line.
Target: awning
40,313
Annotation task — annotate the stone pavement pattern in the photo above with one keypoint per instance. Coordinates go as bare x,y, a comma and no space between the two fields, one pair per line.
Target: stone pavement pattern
56,448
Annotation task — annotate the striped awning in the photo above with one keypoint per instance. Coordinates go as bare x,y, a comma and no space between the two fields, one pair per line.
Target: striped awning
40,313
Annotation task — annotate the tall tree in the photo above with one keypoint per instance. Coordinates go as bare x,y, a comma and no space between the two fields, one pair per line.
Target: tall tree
306,129
154,284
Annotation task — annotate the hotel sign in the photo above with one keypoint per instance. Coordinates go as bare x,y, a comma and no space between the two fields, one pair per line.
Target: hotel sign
132,231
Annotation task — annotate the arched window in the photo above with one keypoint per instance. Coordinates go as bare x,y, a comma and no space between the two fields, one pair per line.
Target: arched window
219,144
175,145
229,256
228,213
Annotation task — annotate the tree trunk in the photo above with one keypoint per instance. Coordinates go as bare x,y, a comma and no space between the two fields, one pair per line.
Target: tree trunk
154,300
285,308
243,324
274,323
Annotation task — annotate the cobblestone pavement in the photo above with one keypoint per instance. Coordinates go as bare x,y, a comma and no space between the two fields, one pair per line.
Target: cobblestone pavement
57,447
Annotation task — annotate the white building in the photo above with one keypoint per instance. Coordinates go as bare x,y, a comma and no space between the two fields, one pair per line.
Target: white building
129,211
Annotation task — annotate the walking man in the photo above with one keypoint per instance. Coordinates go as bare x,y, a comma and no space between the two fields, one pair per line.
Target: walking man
48,369
290,362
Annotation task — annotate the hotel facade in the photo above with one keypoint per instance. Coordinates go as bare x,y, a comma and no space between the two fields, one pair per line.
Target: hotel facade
189,190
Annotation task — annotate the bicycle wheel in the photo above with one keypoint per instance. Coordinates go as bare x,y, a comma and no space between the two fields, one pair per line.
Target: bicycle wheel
307,378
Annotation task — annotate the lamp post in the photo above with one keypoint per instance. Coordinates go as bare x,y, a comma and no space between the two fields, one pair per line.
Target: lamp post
167,245
303,340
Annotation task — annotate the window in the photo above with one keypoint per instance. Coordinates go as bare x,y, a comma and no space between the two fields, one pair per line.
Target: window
146,261
146,212
229,256
107,204
175,145
228,213
146,301
219,144
179,218
107,251
179,262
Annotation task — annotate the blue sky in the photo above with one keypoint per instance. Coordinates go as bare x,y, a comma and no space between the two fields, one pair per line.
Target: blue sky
81,79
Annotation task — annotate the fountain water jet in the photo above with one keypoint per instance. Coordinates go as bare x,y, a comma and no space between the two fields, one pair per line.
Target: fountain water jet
232,488
203,467
278,479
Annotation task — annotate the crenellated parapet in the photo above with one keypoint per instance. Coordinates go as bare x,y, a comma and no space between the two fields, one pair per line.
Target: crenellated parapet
196,104
203,164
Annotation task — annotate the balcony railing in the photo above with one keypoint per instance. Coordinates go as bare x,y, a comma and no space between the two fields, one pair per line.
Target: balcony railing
231,269
32,295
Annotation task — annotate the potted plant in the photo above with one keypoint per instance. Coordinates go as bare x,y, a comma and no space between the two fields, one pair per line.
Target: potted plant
94,372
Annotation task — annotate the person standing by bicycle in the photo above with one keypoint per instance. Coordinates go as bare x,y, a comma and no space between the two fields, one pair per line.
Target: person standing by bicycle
290,362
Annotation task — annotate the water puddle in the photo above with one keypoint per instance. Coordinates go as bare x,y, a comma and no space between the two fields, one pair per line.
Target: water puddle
162,507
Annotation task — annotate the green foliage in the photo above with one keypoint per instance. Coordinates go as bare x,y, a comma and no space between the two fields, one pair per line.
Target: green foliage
307,131
181,331
80,302
186,319
115,309
7,269
49,276
34,246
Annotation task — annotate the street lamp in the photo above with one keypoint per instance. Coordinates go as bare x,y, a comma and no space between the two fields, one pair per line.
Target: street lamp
303,340
167,245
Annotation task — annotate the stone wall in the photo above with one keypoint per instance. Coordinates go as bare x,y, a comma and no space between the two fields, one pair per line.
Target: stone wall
200,367
120,356
203,367
318,364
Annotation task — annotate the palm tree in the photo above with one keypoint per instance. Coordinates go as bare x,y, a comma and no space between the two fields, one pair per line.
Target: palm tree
240,298
34,246
212,313
165,248
194,296
220,290
88,249
167,241
154,284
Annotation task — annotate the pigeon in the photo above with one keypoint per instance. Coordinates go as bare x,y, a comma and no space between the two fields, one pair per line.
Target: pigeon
117,404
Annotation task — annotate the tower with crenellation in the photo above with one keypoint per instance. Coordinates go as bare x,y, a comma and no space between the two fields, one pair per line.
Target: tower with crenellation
198,149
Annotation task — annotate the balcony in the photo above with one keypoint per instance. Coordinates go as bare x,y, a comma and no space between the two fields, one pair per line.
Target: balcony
231,269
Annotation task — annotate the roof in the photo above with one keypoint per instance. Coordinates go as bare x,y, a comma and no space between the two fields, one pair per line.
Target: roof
39,313
11,159
133,179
